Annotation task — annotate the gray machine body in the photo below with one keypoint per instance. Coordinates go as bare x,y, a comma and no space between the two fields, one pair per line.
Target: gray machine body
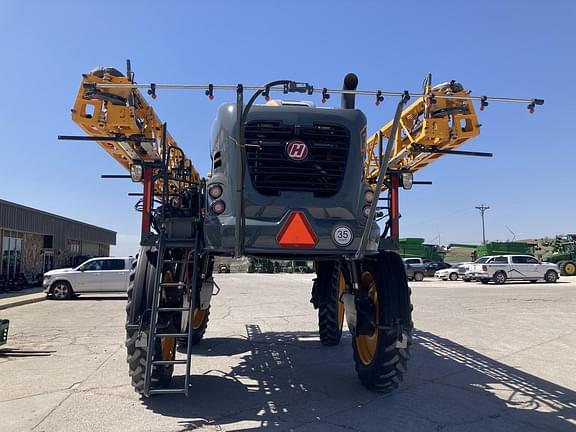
327,187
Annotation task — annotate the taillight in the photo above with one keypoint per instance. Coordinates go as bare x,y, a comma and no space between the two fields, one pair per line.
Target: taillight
366,211
218,207
369,196
215,191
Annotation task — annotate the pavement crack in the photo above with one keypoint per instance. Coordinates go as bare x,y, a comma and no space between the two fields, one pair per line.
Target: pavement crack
51,411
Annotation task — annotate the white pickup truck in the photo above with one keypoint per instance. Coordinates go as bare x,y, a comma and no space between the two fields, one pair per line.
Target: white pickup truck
96,275
499,269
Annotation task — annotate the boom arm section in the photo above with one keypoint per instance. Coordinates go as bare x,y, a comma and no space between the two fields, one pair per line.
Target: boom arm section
124,114
426,126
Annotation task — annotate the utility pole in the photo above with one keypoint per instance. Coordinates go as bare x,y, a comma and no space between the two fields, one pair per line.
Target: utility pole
482,209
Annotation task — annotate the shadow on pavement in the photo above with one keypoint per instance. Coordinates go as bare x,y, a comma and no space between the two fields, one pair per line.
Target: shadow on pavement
288,379
14,352
219,346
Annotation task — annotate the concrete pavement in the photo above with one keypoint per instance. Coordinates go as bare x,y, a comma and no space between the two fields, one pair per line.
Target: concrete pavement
497,358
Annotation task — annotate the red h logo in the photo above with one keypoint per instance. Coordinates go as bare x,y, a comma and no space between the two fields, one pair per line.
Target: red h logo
297,150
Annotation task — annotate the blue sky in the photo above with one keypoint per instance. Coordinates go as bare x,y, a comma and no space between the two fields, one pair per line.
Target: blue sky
498,48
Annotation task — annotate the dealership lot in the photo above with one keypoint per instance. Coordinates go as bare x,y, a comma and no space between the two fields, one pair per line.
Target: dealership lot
484,358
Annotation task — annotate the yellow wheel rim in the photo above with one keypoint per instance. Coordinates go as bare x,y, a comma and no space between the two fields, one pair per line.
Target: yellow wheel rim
341,289
168,344
366,344
199,315
570,268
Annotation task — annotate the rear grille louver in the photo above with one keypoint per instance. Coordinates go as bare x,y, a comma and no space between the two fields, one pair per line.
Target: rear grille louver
271,171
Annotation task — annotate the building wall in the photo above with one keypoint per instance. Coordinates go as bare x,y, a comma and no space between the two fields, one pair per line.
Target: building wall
32,256
104,249
70,238
90,248
20,218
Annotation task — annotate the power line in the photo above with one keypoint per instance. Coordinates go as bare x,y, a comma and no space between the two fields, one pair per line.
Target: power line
482,209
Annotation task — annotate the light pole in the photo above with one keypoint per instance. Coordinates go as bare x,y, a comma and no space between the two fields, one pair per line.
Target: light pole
482,209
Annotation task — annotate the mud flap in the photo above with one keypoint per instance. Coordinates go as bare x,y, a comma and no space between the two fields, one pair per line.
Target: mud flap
206,293
350,307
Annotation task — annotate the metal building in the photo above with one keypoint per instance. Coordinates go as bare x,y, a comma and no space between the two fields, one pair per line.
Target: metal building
34,241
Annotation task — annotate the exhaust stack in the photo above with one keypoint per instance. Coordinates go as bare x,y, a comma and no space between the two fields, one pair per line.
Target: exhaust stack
350,83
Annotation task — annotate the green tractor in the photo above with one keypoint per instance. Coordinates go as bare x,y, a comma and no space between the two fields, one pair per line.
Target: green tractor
564,254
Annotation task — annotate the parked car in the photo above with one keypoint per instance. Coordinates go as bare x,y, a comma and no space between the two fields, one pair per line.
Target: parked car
223,268
499,269
468,274
414,273
433,267
450,273
96,275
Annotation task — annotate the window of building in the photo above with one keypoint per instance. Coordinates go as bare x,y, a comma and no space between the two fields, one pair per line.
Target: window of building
11,259
102,250
48,242
75,246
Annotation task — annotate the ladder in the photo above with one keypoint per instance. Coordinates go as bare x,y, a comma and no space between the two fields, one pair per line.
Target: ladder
164,245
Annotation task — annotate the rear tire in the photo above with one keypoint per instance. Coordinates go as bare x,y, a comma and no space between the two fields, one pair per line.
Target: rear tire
568,268
499,278
418,276
141,278
199,326
326,292
380,357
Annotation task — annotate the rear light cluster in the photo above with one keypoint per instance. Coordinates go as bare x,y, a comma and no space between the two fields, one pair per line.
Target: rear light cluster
368,198
215,192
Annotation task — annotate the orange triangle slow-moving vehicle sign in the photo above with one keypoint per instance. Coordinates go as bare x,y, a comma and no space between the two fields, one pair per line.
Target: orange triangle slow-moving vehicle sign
297,232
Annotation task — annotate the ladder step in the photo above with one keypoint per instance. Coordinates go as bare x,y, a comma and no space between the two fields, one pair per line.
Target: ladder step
166,391
174,309
169,362
171,335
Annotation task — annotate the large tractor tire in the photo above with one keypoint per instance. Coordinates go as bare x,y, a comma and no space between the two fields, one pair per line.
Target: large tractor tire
201,316
199,326
142,277
326,296
383,334
568,268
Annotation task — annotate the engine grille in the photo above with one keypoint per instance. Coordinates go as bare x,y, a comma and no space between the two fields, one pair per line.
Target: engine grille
272,171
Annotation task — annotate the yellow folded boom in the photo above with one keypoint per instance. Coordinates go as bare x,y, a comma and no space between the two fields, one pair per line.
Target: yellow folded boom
427,125
124,113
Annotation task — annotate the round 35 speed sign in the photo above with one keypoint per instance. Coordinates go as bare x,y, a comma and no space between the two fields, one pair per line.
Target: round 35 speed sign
342,235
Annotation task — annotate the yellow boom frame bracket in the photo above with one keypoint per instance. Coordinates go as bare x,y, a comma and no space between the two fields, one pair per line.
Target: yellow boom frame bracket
434,123
124,112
